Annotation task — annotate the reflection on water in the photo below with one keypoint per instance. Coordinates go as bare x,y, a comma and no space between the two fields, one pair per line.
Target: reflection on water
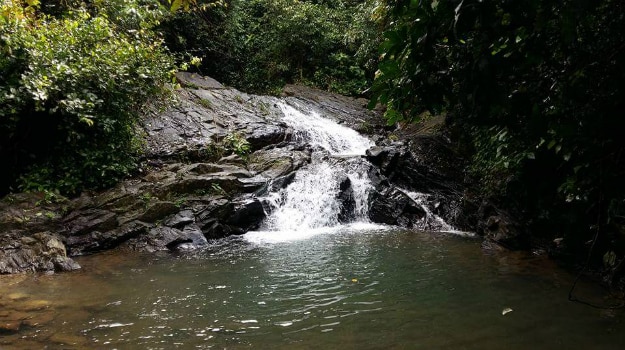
351,289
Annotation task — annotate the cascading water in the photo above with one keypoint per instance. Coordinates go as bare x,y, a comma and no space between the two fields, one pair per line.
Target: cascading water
315,201
322,133
312,201
431,221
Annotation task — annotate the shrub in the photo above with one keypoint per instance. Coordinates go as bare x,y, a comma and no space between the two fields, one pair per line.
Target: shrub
259,45
72,90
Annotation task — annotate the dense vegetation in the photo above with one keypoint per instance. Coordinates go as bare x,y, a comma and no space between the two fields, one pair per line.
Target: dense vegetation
73,82
537,86
259,45
76,75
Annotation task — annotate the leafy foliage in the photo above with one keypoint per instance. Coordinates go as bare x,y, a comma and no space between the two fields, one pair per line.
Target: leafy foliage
237,144
537,85
73,87
259,45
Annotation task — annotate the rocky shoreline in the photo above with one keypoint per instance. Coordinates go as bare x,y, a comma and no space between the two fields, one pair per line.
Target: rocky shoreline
194,188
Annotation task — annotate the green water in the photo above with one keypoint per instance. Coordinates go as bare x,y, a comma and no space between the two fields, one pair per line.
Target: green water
345,290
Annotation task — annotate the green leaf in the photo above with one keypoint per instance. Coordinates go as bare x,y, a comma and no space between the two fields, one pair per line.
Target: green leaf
392,116
389,68
551,144
175,5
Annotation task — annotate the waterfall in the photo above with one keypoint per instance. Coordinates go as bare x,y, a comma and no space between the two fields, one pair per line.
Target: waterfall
313,200
330,193
324,133
431,221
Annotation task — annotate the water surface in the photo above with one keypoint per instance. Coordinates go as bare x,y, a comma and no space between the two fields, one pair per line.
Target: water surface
348,289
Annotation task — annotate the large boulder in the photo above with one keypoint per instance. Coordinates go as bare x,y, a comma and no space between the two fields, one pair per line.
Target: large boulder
499,226
42,251
346,200
246,215
169,238
394,207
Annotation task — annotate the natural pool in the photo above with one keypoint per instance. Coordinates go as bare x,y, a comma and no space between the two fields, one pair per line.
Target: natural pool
346,288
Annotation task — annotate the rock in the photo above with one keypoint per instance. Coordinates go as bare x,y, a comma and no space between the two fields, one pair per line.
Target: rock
210,210
233,159
180,219
33,305
280,182
215,170
260,135
246,215
425,163
42,251
195,81
394,207
215,230
168,238
158,211
88,220
98,241
10,326
253,184
346,200
38,319
202,183
206,116
498,225
276,162
192,238
17,296
68,341
385,158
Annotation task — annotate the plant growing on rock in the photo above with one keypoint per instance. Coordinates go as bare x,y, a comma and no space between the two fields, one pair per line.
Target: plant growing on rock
238,144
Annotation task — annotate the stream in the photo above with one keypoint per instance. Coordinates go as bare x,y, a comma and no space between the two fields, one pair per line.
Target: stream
349,287
316,275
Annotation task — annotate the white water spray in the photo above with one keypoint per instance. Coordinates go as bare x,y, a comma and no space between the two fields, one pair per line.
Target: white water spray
324,133
312,200
430,221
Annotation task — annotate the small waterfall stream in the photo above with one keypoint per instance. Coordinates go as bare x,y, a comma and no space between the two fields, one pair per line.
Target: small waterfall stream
315,202
323,133
312,201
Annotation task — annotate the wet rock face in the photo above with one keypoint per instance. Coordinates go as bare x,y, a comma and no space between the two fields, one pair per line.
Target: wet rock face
346,200
206,114
393,207
498,226
405,167
42,251
423,160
